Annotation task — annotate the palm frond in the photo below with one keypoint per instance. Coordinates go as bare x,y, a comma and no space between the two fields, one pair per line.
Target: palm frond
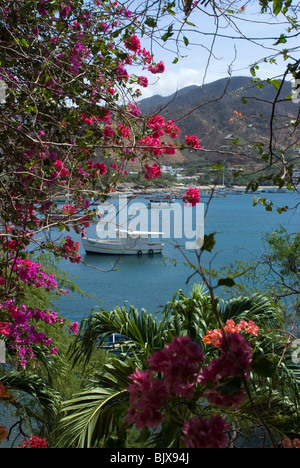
277,412
191,314
256,307
47,398
141,329
89,417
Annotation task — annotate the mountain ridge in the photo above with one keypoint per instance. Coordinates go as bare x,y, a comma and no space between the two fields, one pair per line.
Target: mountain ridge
226,109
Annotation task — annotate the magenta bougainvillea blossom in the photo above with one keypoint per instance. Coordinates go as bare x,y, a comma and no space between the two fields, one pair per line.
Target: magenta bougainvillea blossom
179,373
192,196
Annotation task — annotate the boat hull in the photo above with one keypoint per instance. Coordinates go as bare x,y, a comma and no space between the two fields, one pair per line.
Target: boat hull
93,246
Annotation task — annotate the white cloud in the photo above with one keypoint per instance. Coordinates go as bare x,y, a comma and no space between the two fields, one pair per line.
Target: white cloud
173,80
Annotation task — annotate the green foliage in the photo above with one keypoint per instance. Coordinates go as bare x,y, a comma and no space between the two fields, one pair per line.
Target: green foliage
95,416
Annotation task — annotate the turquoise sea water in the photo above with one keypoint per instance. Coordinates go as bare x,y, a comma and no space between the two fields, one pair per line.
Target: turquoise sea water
150,282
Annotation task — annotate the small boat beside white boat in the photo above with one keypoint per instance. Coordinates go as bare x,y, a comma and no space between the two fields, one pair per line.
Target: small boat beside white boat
127,242
160,204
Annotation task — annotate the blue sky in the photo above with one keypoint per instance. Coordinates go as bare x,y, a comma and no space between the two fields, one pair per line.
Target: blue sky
230,49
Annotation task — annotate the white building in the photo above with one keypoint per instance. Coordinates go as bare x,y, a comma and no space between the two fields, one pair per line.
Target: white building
172,171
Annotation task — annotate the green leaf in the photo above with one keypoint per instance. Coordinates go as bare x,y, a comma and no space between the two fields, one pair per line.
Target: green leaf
151,22
263,366
277,6
186,41
168,34
276,83
281,40
253,70
226,282
209,242
24,43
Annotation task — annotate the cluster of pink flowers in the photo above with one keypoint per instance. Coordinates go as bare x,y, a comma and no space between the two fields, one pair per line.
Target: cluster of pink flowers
152,172
78,54
61,170
20,330
33,274
64,12
106,117
192,196
21,333
42,10
160,127
153,142
133,109
192,141
288,443
108,133
236,357
179,363
34,442
178,371
171,129
98,168
206,433
158,68
146,397
215,336
157,124
13,245
69,209
121,72
125,131
143,81
133,44
69,250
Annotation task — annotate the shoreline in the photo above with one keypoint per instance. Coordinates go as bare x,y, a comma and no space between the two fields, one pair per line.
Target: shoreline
202,188
180,190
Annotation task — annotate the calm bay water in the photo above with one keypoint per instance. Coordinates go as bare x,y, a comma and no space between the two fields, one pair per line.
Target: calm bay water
151,281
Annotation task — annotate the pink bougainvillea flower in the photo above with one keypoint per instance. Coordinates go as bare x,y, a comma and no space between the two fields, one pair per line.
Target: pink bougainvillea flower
133,44
206,433
192,141
192,196
152,172
158,68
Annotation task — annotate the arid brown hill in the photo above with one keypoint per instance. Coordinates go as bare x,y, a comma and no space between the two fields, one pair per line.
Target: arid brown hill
226,109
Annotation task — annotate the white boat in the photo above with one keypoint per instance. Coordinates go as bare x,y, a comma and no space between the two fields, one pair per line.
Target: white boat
127,242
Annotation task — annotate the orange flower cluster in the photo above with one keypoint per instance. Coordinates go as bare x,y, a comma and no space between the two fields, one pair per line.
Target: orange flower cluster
214,337
236,113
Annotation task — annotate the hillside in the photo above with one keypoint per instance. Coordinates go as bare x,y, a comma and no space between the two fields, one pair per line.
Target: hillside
208,112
